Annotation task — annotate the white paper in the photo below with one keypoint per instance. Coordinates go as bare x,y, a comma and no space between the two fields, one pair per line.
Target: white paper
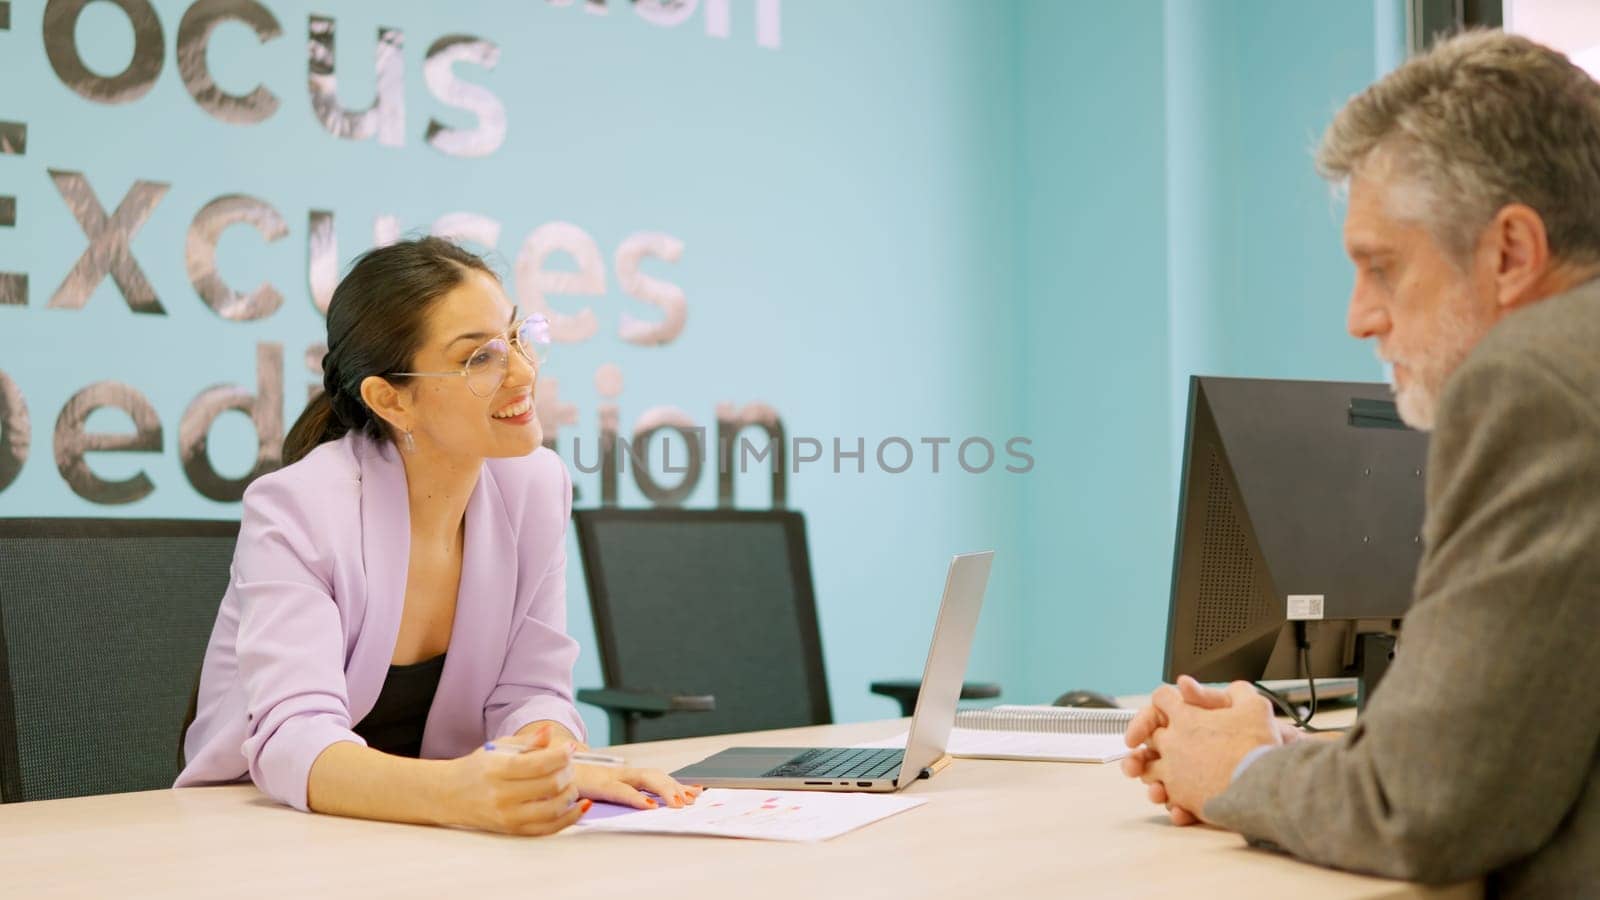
763,815
1123,716
1049,708
978,744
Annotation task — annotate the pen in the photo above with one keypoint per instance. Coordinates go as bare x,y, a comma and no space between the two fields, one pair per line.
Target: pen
580,756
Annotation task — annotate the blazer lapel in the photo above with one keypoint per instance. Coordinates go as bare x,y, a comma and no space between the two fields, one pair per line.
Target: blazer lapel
386,557
481,629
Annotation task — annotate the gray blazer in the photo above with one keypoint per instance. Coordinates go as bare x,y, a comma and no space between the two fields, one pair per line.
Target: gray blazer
1477,756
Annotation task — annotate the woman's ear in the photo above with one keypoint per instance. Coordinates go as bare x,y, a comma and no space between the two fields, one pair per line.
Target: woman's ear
386,402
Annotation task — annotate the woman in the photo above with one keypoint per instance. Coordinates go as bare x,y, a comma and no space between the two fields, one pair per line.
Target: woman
399,587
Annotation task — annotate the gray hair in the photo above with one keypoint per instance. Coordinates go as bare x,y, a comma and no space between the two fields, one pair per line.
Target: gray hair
1482,120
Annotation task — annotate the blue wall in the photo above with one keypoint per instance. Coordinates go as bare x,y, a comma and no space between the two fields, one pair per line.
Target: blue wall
914,218
1172,224
1092,228
844,201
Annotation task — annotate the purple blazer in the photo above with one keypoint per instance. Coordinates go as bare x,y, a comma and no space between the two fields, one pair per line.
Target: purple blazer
307,628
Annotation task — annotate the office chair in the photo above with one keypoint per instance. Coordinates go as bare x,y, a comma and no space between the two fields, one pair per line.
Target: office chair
103,623
707,623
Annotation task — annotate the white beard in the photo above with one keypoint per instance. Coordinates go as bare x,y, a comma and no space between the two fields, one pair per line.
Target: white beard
1416,407
1455,334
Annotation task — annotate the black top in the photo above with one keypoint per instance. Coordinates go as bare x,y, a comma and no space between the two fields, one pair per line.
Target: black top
396,721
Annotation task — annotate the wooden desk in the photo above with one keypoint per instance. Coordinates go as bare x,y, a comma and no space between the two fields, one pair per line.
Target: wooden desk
990,830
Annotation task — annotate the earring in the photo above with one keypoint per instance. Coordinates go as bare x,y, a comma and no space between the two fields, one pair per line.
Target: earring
411,442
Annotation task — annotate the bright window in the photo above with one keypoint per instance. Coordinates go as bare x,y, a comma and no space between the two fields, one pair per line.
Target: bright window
1571,26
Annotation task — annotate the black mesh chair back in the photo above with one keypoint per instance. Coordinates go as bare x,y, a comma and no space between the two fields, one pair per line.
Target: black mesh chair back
706,602
103,623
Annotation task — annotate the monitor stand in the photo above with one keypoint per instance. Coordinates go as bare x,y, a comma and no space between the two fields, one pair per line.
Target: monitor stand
1374,653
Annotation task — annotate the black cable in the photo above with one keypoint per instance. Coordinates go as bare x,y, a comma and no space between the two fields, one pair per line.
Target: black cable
1301,720
1311,681
1282,703
1302,640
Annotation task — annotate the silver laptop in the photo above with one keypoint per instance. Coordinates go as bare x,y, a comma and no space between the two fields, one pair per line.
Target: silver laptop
856,769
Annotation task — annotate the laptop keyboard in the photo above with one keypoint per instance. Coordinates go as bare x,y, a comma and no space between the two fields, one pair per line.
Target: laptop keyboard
842,762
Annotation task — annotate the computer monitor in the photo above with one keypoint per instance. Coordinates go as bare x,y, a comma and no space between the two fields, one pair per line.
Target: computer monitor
1300,510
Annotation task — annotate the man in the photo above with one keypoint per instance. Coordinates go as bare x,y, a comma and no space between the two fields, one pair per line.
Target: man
1473,175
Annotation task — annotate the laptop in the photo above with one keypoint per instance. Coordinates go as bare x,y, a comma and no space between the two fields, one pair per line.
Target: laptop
874,770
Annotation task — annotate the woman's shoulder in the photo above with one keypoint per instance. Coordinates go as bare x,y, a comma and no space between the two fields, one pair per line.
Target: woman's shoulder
536,481
316,485
540,466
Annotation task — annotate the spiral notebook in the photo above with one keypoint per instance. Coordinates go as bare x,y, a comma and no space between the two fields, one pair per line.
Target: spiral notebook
1048,733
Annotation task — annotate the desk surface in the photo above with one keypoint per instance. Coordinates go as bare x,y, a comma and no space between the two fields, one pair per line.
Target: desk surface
991,829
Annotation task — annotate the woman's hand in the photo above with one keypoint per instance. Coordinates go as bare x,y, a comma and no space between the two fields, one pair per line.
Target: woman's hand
626,786
532,792
558,734
623,786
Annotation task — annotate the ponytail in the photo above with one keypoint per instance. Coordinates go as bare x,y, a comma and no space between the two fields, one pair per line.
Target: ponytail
329,415
317,425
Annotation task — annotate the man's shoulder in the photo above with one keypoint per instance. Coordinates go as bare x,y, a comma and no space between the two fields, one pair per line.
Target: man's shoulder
1546,349
1559,333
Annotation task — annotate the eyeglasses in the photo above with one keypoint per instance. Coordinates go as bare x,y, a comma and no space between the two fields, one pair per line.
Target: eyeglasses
485,370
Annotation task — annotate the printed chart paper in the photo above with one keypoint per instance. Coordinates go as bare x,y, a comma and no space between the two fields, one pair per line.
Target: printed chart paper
761,815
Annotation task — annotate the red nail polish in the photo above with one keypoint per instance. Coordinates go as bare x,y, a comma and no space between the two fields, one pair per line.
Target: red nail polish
587,804
649,801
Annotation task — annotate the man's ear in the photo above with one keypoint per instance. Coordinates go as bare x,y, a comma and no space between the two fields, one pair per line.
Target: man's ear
1518,249
386,402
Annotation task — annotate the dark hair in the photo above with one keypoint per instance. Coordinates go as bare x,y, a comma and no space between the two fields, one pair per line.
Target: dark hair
376,323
